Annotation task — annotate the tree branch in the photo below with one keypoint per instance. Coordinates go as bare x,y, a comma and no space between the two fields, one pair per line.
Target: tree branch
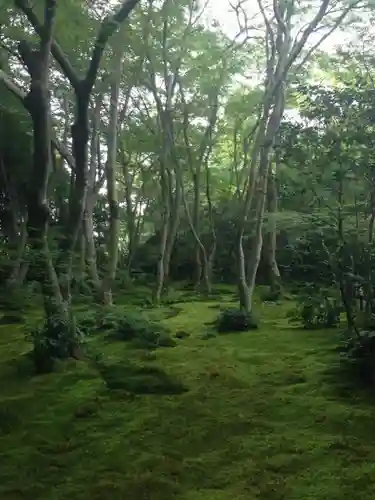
21,95
56,50
108,27
12,87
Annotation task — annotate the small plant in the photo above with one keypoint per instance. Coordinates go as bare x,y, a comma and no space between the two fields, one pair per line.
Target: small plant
55,339
87,323
235,320
316,311
140,331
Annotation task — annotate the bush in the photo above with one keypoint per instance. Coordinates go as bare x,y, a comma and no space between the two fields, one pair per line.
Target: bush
87,323
55,339
358,355
141,332
14,299
365,321
316,311
235,320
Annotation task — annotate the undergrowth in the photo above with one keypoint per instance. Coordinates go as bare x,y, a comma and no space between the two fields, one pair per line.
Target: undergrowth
248,416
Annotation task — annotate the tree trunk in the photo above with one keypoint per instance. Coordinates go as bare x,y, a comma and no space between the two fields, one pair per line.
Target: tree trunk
174,222
37,102
196,222
19,266
257,242
114,219
270,238
88,226
160,275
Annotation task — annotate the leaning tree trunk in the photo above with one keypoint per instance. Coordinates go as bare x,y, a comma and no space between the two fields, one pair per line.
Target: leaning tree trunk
270,237
174,221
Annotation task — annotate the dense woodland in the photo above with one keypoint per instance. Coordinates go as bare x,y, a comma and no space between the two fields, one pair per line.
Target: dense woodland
162,182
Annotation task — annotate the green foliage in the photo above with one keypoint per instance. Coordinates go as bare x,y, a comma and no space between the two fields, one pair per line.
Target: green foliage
55,339
133,327
142,333
358,357
15,299
316,310
235,320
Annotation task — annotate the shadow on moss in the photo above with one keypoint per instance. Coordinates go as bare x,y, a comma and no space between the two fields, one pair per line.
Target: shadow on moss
137,379
11,319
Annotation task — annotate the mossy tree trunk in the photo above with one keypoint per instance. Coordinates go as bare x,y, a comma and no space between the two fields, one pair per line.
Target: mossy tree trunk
42,270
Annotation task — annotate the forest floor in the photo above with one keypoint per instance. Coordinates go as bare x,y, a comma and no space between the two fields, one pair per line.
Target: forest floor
261,419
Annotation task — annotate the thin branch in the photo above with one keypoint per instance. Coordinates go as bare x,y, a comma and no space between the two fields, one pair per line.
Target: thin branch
57,52
108,27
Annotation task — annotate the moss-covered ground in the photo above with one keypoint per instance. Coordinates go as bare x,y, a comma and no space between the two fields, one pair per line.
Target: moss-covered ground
261,419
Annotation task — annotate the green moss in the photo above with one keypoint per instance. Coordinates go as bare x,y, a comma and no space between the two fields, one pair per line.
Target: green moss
260,419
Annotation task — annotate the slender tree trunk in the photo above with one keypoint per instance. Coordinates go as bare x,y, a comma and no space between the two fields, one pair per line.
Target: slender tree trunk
160,277
174,222
196,222
270,238
256,250
91,257
81,274
80,136
114,218
18,272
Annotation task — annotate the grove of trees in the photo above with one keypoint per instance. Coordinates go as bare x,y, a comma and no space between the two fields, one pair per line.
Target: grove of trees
141,142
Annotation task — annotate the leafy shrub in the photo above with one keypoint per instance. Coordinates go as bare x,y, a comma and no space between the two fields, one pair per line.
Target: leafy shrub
235,320
358,354
87,323
316,311
55,339
365,321
14,299
140,331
